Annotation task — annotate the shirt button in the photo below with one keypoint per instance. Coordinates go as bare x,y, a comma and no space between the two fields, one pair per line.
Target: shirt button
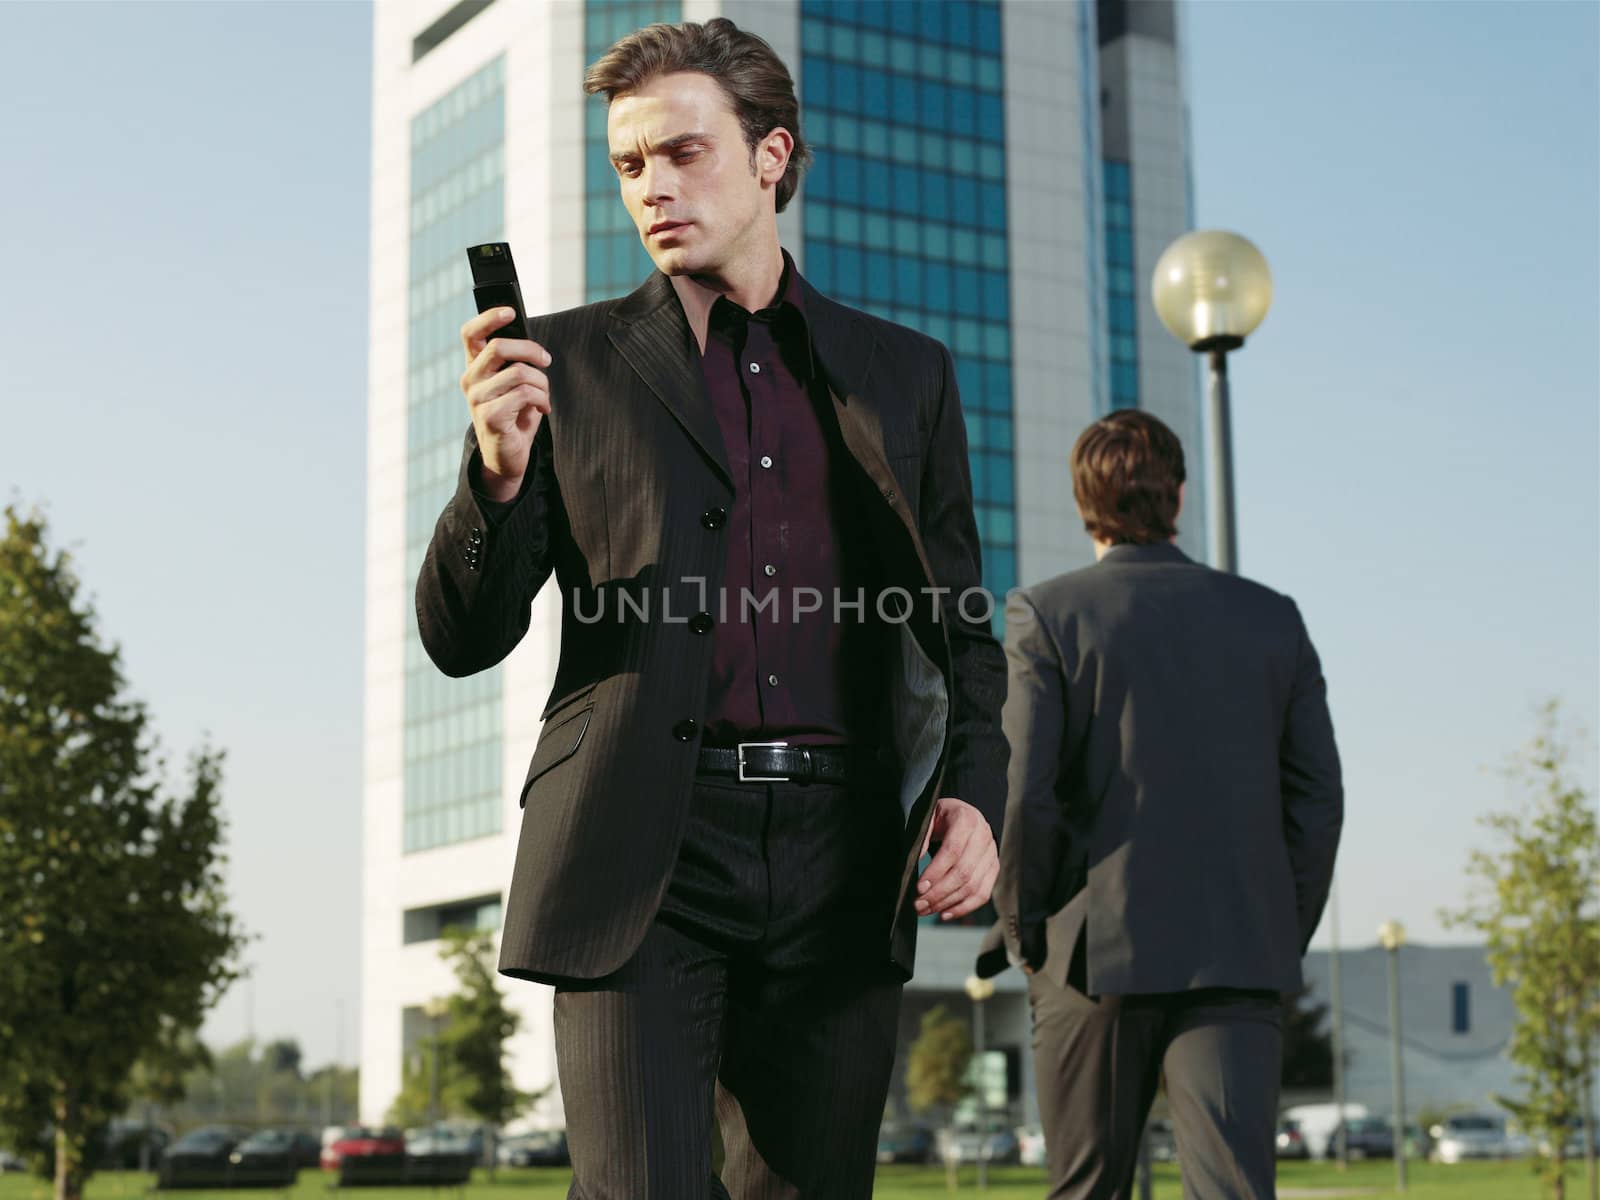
766,460
770,569
685,729
700,622
773,680
755,368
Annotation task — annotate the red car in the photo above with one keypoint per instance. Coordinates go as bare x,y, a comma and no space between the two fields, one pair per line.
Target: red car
361,1141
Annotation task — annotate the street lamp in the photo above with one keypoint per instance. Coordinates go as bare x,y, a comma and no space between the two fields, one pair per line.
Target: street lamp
1391,936
1341,1140
1211,289
980,990
435,1010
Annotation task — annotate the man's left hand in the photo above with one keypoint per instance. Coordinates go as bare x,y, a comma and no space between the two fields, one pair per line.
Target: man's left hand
962,874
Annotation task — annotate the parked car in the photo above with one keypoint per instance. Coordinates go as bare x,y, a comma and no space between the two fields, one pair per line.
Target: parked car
1458,1138
1163,1142
1291,1142
10,1162
304,1148
537,1148
265,1157
989,1140
1030,1146
360,1141
1318,1121
129,1145
1572,1141
905,1143
199,1158
1364,1137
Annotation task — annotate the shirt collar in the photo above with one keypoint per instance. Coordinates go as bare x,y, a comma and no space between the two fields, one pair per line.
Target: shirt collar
786,313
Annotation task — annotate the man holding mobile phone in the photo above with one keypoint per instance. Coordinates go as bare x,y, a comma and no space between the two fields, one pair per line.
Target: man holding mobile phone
777,689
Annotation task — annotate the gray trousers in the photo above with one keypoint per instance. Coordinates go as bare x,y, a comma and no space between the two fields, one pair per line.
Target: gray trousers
1098,1063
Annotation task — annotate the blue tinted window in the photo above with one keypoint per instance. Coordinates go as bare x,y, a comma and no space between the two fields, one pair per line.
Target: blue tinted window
931,107
848,185
815,81
904,92
1460,1008
880,281
964,201
963,112
988,31
847,262
874,91
959,23
907,279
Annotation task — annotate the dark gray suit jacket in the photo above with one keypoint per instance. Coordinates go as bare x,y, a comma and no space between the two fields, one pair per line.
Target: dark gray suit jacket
627,473
1174,788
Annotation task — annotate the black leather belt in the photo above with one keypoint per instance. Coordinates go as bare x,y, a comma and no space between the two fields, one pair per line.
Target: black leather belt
779,762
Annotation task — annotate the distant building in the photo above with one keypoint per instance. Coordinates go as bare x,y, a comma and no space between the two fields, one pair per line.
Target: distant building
1455,1025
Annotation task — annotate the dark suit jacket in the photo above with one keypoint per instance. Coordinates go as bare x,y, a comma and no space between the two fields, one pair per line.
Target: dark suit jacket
1174,789
626,472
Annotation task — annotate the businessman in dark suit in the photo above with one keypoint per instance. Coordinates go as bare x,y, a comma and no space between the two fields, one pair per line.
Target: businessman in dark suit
1174,809
727,805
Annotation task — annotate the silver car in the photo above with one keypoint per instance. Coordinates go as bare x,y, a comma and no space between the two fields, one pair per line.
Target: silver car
1456,1139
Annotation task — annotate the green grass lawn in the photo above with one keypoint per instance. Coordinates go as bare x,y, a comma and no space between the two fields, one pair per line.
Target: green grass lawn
1471,1181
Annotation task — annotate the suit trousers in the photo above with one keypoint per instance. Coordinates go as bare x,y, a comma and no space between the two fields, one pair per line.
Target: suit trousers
1098,1063
763,997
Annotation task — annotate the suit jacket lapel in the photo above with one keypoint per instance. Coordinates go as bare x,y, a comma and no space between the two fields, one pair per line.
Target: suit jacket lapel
649,329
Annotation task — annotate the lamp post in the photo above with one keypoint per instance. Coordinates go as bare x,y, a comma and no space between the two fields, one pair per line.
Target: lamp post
1391,936
435,1010
980,990
1341,1142
1211,290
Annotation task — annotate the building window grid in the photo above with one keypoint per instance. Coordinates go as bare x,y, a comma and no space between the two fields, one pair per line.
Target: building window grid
1093,203
615,261
1122,304
451,727
905,98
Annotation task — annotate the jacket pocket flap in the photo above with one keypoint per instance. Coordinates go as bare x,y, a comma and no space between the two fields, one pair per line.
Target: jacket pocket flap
557,743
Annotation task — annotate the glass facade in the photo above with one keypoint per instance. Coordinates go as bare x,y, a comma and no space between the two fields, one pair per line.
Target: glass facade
452,753
904,208
615,260
1122,300
1094,224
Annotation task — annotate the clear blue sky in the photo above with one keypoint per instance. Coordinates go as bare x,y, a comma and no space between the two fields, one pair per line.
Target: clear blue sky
183,244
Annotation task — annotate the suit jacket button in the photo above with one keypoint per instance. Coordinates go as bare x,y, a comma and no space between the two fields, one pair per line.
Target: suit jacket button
888,494
685,729
714,518
700,622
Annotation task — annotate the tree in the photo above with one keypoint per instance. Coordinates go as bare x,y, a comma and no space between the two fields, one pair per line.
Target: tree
1537,905
1307,1050
937,1067
114,927
468,1049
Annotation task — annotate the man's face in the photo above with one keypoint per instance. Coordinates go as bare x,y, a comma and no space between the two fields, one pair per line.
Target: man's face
686,175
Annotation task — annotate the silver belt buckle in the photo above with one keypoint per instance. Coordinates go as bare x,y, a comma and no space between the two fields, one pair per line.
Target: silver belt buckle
743,778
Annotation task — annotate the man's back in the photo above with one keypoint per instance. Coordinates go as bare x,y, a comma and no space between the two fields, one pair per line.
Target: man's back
1196,796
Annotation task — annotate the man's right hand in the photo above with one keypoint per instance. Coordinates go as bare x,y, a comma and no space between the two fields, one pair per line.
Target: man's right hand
508,395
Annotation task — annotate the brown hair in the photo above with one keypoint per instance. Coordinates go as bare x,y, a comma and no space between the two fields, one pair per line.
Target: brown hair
753,77
1126,471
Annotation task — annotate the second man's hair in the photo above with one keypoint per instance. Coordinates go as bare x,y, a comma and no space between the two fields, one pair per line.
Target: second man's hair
1126,471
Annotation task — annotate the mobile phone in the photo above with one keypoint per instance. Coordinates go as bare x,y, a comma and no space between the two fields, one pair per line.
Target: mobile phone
494,285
